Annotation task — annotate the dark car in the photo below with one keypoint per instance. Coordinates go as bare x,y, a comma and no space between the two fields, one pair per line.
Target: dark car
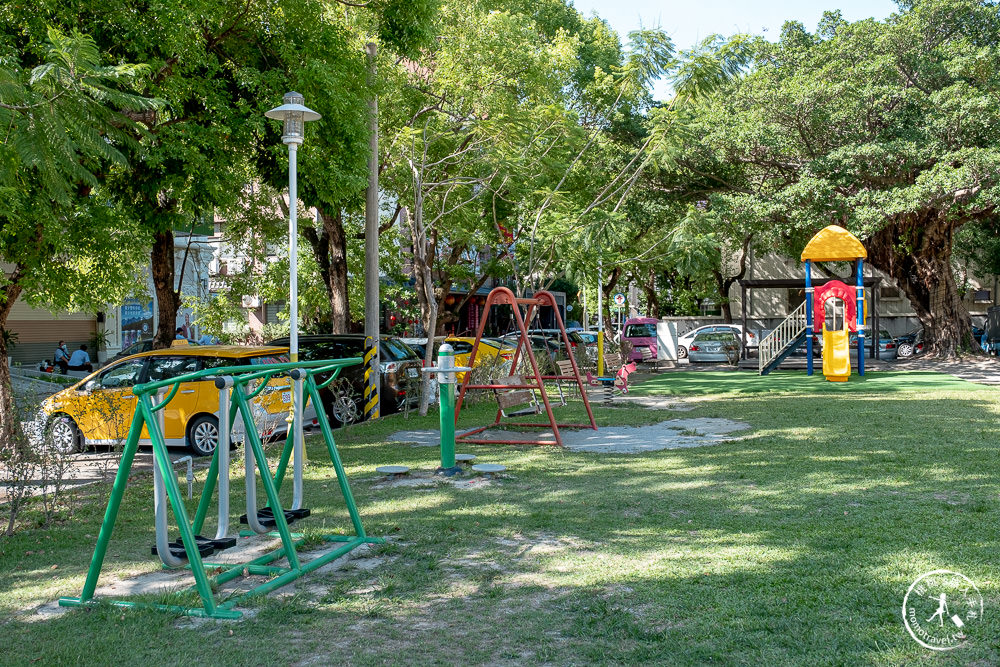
344,403
912,342
144,345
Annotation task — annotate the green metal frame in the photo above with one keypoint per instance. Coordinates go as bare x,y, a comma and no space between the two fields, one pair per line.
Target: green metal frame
205,584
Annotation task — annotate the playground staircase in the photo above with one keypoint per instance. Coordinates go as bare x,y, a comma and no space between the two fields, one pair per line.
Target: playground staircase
782,341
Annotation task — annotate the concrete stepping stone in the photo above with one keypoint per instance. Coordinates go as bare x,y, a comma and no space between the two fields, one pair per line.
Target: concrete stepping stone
489,468
392,471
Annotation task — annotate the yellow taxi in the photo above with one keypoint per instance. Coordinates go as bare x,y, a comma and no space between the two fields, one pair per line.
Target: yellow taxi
98,410
489,350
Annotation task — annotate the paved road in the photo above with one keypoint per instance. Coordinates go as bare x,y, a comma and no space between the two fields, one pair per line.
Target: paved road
81,469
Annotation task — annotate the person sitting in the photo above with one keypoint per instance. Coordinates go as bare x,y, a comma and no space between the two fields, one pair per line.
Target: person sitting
80,361
179,334
61,358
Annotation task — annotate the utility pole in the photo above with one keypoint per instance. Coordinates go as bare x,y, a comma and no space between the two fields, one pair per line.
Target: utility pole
372,324
600,317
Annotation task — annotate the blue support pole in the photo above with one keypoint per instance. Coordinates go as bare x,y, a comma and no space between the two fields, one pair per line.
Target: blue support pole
809,318
860,307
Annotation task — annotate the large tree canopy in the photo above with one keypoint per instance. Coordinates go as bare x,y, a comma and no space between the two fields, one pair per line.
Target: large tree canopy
891,129
62,245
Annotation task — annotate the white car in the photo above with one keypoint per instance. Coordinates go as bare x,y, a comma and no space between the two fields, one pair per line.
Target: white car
684,340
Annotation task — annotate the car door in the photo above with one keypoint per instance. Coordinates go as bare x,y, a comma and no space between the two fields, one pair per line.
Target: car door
109,404
186,401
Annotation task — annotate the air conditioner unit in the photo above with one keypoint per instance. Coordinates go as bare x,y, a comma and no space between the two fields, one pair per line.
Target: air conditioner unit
251,301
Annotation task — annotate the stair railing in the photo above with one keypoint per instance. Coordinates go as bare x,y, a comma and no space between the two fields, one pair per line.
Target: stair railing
781,337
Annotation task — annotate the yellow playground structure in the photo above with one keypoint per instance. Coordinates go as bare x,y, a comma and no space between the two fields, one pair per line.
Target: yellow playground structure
846,304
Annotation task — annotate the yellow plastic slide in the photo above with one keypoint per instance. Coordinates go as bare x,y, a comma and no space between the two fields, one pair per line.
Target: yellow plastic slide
836,355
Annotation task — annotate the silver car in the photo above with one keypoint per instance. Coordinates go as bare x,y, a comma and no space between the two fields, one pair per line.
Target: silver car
714,346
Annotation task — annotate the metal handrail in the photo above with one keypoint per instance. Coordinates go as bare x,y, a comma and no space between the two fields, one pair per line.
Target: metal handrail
781,337
244,374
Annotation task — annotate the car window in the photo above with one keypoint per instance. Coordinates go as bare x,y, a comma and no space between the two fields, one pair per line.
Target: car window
268,359
322,351
122,375
461,346
640,331
715,336
165,368
398,350
218,362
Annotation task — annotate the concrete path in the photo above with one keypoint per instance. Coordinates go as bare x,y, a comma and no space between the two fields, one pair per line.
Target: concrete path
978,369
670,434
81,469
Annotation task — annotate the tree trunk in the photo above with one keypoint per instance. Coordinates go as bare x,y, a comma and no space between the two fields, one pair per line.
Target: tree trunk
8,418
330,251
652,300
168,299
724,283
425,289
916,252
340,307
608,289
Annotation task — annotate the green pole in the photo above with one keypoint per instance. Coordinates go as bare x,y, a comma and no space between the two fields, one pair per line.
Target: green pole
162,459
446,386
253,447
331,448
114,503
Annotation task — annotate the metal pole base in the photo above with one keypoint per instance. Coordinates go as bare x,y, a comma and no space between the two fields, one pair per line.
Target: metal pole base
450,472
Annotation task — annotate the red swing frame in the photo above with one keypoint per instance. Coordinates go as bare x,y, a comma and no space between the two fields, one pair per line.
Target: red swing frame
504,296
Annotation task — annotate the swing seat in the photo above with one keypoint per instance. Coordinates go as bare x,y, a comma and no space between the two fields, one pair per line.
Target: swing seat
511,398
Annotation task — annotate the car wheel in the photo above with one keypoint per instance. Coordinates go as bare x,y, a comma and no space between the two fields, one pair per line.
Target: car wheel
344,410
203,435
682,352
63,435
904,350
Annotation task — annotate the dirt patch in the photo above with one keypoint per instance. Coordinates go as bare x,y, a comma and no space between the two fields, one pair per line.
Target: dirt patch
978,369
425,479
164,582
671,434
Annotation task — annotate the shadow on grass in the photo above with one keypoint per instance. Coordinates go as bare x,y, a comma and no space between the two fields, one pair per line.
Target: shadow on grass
699,383
792,545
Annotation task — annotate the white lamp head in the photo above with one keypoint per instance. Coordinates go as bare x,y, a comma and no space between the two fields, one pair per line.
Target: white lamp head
294,115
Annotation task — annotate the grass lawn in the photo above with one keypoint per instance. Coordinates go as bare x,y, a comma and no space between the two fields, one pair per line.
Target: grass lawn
793,545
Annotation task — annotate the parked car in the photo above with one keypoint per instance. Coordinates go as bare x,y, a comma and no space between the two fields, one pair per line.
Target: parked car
399,366
489,348
98,410
640,332
144,345
540,344
714,346
886,345
684,340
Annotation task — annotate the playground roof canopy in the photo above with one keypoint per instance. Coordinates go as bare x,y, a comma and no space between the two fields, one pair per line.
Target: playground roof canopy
834,244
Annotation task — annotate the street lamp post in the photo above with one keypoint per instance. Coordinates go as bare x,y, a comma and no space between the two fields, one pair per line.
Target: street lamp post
294,116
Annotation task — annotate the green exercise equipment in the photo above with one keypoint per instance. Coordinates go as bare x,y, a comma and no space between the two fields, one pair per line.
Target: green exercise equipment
235,395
